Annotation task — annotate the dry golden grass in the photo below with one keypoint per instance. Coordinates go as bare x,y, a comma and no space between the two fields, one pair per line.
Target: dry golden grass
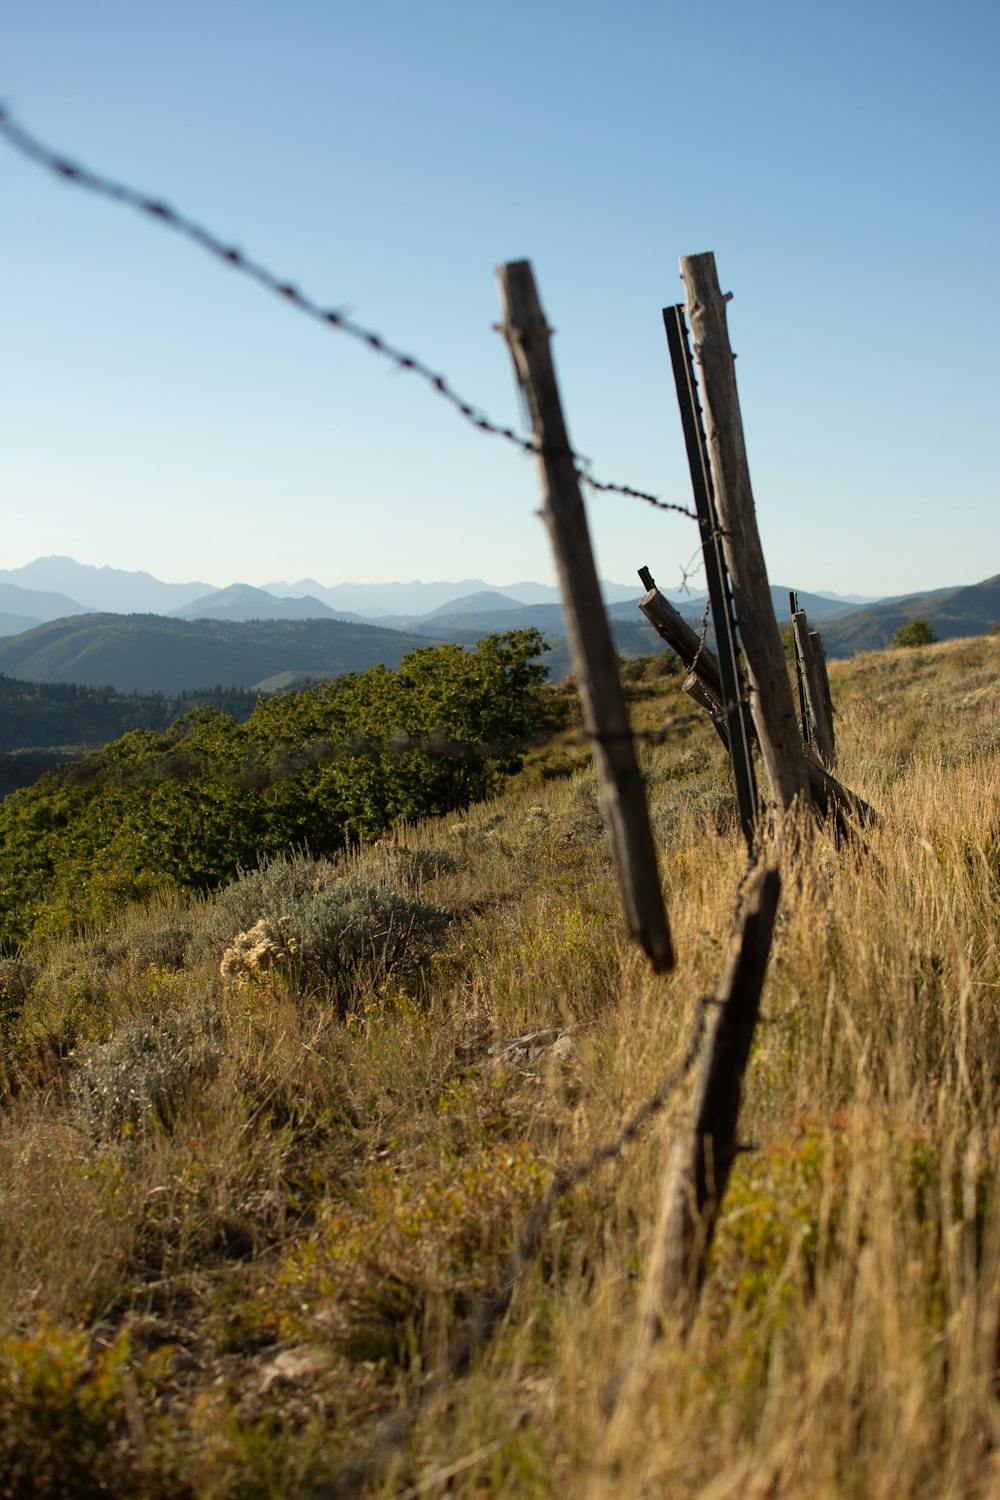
225,1295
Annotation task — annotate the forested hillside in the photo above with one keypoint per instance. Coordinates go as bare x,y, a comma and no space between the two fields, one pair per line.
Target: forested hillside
952,613
43,725
37,714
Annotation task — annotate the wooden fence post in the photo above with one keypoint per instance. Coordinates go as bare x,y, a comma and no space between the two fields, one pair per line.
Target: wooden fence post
815,699
771,702
738,725
824,685
703,1153
605,715
671,626
702,1157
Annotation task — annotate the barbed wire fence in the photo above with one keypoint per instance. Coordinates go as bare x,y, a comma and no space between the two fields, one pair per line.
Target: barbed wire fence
473,1337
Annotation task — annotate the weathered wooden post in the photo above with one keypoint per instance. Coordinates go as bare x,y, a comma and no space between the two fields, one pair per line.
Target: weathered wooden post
771,702
605,715
738,726
812,679
702,1157
824,685
671,626
703,1152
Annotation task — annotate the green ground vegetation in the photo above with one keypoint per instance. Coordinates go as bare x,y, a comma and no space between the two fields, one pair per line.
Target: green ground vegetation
319,769
260,1166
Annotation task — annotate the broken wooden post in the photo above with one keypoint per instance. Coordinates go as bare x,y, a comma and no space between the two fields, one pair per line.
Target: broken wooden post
771,702
605,715
701,1158
703,1153
671,626
697,689
830,798
822,735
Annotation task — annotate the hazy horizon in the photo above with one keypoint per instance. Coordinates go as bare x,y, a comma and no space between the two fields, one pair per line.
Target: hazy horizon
694,584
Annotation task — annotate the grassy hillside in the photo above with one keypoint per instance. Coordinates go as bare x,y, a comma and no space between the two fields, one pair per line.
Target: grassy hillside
257,1187
952,613
151,653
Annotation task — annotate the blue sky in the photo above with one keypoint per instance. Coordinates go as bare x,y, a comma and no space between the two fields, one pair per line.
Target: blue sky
841,161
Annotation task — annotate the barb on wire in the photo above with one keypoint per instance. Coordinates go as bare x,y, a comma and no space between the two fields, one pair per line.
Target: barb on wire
80,176
483,1323
702,634
694,565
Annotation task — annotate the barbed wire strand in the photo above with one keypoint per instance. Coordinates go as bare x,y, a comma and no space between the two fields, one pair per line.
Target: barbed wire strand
80,176
479,1329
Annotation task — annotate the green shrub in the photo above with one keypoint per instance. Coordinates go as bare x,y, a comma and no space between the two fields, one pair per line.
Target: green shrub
64,1420
140,1079
915,633
336,922
16,980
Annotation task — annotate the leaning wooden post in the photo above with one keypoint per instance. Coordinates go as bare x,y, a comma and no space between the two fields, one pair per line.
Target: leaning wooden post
671,626
771,702
703,1153
605,715
696,689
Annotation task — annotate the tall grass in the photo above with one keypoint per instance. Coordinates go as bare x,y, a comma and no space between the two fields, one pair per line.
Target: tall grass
277,1229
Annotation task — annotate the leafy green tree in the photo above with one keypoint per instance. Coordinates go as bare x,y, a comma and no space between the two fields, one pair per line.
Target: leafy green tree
915,633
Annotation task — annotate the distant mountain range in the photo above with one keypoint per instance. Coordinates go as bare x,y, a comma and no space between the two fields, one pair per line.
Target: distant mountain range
24,608
407,600
255,638
242,602
82,587
108,589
